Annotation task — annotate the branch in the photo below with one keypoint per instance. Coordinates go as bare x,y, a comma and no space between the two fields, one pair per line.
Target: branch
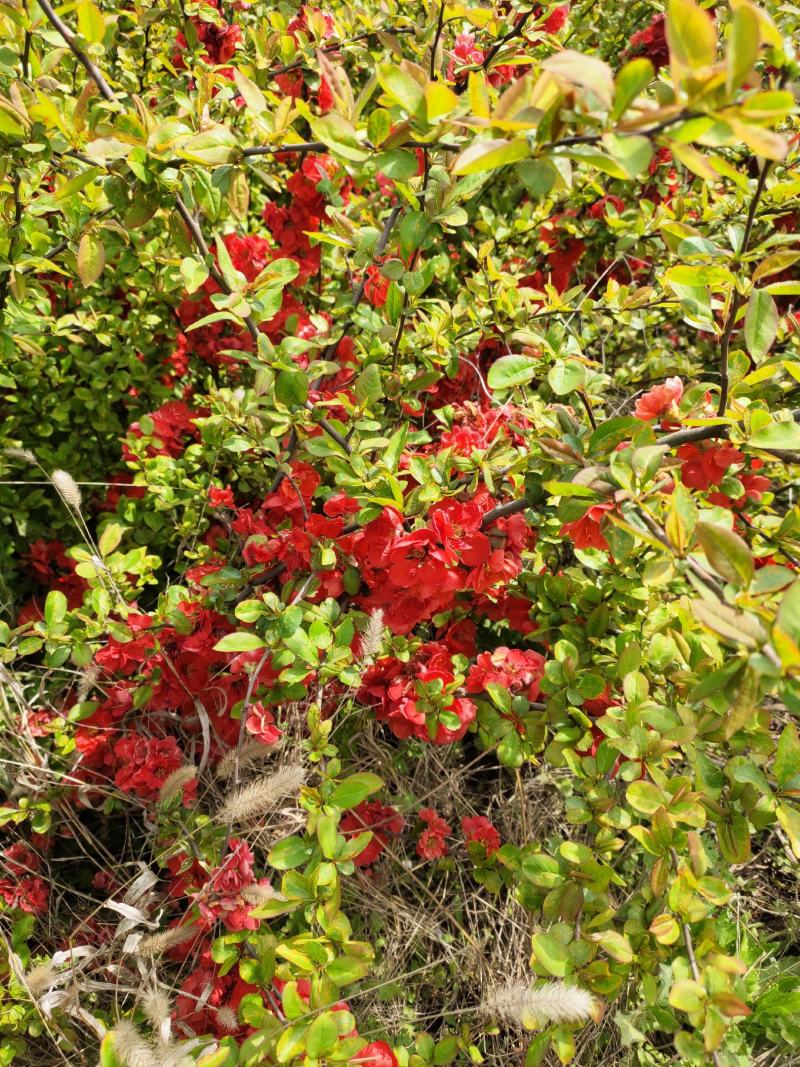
502,511
721,430
79,54
6,279
320,146
702,575
738,299
687,940
436,39
516,31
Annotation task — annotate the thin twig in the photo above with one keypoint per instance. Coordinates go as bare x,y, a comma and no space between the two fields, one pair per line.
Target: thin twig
78,52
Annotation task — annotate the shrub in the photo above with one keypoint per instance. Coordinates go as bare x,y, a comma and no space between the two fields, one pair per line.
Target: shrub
401,640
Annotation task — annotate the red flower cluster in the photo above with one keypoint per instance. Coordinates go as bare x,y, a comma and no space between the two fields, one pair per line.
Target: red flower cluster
304,213
478,829
381,819
652,42
377,1054
23,888
466,55
218,38
145,763
517,670
260,724
432,844
416,699
706,465
49,564
166,431
222,897
412,576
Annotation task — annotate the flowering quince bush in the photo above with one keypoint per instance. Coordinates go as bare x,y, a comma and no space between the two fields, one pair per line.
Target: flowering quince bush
400,636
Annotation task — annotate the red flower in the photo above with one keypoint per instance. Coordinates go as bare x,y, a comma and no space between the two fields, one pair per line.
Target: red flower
376,1054
145,763
585,532
652,42
431,844
222,896
478,828
220,498
398,692
705,467
381,819
29,894
515,669
556,18
659,399
261,724
19,859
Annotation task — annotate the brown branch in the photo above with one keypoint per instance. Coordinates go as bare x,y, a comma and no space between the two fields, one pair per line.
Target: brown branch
6,279
687,940
516,31
738,299
78,52
502,511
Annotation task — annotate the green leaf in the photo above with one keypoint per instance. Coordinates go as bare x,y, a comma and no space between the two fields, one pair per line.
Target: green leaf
510,371
398,164
291,387
633,153
786,629
340,136
289,853
55,608
91,25
645,797
782,434
194,273
91,258
630,82
537,175
489,155
397,83
744,41
691,35
322,1035
727,553
731,625
616,945
242,641
108,1054
413,230
551,954
566,377
368,388
786,765
326,835
351,791
789,818
760,323
347,969
687,995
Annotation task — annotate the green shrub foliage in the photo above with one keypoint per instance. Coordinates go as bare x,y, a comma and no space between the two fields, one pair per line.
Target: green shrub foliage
400,637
